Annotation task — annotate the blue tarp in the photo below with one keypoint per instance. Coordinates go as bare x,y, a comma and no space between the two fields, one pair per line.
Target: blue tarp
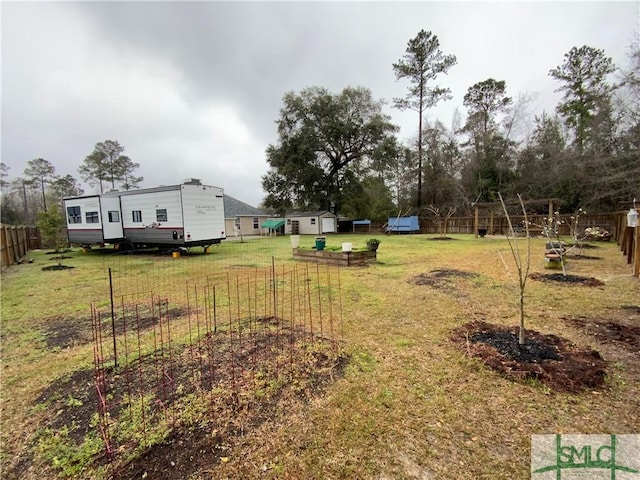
403,224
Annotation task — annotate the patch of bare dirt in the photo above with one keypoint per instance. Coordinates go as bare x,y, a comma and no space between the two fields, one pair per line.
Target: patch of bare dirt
65,333
237,390
579,256
587,246
443,238
566,279
442,278
553,360
621,328
56,267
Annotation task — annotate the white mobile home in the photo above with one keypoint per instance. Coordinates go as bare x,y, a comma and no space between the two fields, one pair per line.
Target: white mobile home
184,215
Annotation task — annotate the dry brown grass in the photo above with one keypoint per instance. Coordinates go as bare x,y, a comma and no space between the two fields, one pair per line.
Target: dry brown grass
410,404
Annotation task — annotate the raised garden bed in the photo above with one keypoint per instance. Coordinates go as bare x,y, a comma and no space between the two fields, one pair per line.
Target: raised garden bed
344,259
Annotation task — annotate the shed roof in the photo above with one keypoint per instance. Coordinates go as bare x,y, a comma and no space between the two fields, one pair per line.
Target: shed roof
235,208
309,214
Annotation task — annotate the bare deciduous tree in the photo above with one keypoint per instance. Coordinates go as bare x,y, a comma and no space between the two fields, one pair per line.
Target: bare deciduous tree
522,260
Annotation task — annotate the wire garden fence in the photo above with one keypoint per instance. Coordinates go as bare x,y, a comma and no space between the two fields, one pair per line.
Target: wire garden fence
212,355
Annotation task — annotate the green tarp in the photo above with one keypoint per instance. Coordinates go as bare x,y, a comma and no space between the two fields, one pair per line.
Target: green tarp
273,224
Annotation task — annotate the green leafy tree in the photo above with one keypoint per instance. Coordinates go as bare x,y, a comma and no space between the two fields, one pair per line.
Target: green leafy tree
66,186
485,100
327,143
615,176
404,175
126,169
94,169
9,204
542,163
628,100
421,64
22,192
280,193
441,167
584,84
51,224
40,172
107,164
491,150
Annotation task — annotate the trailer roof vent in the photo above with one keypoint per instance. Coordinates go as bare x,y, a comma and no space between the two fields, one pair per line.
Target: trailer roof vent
192,181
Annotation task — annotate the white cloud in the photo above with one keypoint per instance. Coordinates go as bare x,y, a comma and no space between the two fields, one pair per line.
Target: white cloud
193,89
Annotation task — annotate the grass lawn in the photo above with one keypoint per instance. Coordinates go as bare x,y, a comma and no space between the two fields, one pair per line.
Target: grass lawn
410,403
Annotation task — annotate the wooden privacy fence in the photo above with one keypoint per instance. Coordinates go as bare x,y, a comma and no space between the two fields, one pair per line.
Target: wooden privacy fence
16,241
629,242
497,223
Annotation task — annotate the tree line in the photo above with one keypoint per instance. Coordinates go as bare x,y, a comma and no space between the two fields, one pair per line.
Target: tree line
340,152
29,198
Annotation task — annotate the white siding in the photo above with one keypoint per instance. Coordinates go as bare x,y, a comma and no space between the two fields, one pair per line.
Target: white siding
203,208
148,203
86,204
308,225
83,232
312,225
172,215
328,224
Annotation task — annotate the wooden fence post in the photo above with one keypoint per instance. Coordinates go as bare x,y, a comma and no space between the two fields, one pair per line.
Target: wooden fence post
636,254
15,242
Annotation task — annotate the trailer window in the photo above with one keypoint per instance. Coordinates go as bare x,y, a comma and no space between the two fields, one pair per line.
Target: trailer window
92,217
137,216
74,215
161,215
114,216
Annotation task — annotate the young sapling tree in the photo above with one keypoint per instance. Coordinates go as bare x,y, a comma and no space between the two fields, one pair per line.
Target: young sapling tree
441,218
522,260
551,230
51,224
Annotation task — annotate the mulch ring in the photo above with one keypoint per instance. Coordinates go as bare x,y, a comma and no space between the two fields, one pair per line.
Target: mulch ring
552,360
567,279
441,278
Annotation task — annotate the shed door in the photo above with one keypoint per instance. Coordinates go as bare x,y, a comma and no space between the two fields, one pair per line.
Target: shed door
328,225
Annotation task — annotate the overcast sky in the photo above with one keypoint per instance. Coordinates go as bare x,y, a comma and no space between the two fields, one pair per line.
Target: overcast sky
193,89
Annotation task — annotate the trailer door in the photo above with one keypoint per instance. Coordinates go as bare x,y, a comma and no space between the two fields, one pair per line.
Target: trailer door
111,218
